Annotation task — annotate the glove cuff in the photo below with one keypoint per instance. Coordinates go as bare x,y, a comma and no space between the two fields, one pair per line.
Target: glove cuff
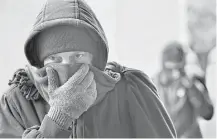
60,118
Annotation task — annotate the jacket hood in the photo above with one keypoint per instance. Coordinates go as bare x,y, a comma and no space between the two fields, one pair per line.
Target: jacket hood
65,12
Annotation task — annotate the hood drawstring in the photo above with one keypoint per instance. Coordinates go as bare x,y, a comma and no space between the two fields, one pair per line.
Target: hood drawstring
27,88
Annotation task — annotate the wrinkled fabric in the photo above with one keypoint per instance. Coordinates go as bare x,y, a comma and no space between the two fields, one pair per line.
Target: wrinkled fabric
65,71
126,107
73,98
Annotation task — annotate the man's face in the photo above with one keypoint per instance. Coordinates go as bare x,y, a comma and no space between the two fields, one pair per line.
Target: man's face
65,49
67,63
173,70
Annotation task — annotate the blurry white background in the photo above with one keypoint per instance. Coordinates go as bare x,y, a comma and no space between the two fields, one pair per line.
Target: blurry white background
137,30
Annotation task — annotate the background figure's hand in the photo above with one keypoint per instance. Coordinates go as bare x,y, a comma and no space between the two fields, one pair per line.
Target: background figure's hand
73,98
192,70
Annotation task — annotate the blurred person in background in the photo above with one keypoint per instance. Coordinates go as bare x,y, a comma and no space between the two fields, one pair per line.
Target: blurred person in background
183,92
201,25
68,91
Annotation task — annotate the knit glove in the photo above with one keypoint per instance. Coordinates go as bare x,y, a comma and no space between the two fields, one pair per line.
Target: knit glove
73,98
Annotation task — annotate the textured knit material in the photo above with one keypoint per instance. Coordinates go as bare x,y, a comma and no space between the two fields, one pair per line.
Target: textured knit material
71,99
68,38
126,107
75,13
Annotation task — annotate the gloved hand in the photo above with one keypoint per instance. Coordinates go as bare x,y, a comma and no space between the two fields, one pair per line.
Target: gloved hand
73,98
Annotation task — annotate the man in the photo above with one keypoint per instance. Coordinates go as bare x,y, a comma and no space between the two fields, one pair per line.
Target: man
183,92
69,92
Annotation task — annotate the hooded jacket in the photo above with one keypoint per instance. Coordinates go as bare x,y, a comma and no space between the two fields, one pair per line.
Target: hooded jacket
125,107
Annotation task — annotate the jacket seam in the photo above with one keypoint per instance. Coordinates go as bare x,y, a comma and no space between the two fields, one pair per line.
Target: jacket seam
12,103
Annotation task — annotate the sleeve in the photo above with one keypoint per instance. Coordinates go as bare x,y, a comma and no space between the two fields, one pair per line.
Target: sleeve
48,129
11,125
199,98
148,115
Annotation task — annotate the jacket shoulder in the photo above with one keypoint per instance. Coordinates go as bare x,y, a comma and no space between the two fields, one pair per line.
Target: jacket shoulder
12,92
132,74
145,106
140,76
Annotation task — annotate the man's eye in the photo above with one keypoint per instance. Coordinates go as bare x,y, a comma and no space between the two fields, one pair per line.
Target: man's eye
79,55
56,58
53,59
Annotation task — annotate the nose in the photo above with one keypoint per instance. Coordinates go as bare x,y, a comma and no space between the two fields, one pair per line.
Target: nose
68,60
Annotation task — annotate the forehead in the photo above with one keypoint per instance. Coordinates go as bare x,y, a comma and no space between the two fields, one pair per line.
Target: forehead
71,53
66,54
